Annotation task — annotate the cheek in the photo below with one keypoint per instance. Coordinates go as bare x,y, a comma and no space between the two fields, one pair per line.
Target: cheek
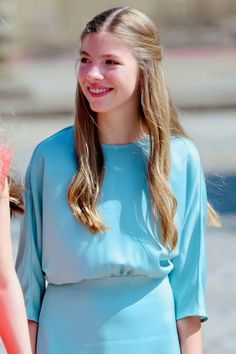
81,74
128,77
117,78
81,78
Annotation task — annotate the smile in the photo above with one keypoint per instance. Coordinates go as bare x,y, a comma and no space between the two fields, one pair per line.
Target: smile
98,91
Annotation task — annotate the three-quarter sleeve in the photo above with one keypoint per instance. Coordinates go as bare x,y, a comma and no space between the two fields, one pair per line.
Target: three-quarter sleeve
29,257
188,276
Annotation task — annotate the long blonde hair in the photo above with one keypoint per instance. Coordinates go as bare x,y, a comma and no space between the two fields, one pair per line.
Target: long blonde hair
159,116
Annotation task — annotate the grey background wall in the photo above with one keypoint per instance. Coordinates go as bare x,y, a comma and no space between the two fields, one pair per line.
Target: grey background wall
53,25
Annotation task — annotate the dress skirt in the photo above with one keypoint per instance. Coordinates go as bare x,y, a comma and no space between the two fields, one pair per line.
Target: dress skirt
110,315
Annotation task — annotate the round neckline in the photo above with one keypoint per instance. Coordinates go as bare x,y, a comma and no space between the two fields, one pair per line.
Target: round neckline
127,145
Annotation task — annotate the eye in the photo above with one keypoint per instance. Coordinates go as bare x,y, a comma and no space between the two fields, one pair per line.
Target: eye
111,62
84,60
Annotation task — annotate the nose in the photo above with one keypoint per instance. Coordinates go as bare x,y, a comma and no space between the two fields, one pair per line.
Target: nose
94,73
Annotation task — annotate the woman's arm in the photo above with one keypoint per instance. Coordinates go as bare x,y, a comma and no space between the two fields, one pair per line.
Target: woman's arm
33,329
190,337
13,324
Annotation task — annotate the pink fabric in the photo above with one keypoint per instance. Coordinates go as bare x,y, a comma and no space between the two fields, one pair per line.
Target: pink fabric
5,161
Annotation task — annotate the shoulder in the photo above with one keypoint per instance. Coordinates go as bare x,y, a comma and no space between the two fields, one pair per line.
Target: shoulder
56,140
54,150
183,150
185,162
52,157
55,144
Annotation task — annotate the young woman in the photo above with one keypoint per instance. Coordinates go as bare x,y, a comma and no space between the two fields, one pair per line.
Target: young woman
116,208
13,325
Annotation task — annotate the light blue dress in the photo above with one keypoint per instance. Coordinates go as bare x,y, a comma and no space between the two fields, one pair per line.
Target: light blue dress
119,291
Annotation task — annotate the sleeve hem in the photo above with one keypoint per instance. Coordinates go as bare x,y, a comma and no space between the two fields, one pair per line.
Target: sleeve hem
31,317
203,317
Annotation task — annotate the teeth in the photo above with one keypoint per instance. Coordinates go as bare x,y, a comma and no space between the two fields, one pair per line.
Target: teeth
98,90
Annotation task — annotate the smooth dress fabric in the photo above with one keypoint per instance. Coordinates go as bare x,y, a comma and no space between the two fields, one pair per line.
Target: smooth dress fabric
120,290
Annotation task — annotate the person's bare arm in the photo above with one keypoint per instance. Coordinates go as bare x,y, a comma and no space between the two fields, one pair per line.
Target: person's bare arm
33,329
190,336
13,323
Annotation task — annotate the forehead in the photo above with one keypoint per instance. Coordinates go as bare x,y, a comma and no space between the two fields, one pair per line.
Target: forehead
104,43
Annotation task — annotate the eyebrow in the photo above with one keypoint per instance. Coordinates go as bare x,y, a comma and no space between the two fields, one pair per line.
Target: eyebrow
83,52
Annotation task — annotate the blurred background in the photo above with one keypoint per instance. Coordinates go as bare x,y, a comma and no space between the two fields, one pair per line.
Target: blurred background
39,42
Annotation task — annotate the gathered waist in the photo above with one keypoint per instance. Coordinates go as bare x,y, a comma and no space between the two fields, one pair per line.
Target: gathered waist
113,281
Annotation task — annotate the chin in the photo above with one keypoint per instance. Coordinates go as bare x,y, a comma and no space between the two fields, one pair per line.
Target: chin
99,109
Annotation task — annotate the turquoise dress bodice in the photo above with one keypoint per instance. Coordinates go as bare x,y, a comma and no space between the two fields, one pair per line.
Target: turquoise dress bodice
57,249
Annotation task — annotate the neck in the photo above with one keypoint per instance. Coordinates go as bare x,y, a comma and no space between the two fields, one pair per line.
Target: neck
119,127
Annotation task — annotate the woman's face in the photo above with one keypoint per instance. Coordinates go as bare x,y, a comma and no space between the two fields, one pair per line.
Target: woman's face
108,73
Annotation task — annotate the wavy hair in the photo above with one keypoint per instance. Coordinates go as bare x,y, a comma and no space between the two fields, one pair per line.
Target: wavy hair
15,197
159,116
